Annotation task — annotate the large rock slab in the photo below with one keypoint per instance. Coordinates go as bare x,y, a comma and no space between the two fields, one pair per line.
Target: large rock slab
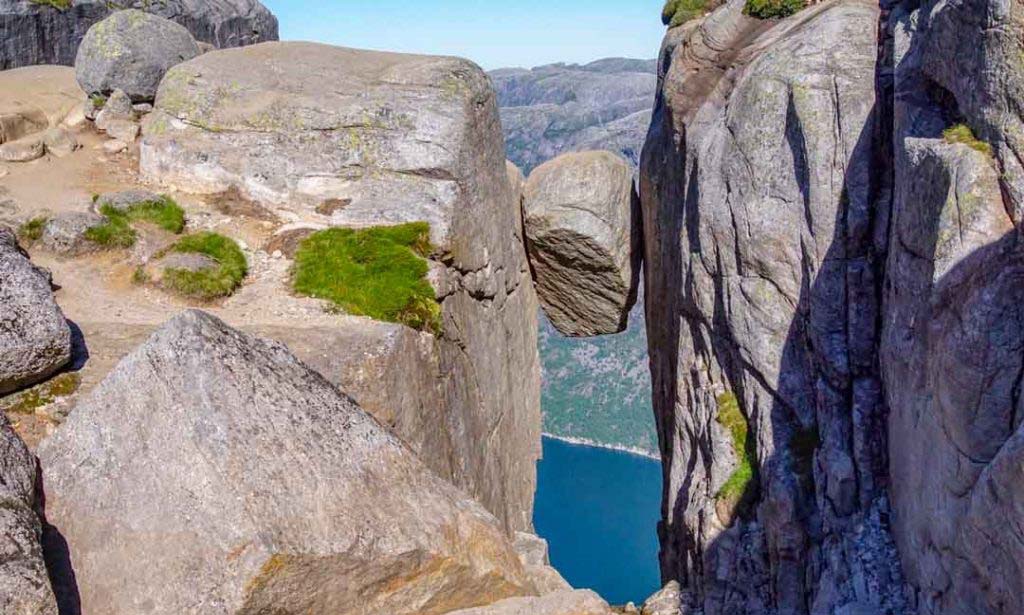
396,138
583,235
36,33
763,225
565,602
246,483
35,339
131,51
24,586
34,99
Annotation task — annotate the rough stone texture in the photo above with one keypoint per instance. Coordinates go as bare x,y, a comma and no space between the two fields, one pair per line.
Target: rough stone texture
59,142
32,33
24,586
582,224
533,554
65,233
550,110
25,149
131,51
35,340
760,208
35,98
667,601
125,199
117,106
566,602
247,483
402,138
953,343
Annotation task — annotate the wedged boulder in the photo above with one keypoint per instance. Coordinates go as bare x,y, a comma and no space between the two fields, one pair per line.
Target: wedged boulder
24,586
131,51
565,602
37,33
247,483
583,235
35,339
396,138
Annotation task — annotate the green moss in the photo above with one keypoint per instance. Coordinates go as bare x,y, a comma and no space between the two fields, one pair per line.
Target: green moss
211,283
60,5
678,12
98,101
772,9
377,272
117,231
962,134
33,229
738,487
42,395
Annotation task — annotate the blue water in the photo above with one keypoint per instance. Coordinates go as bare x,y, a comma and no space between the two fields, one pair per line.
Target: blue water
599,508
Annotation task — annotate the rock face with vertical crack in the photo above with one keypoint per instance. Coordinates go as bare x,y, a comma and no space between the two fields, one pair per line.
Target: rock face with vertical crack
397,138
759,208
40,33
24,586
35,339
582,224
212,472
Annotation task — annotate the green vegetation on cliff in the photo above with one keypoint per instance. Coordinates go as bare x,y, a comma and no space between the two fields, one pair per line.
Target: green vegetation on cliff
678,12
60,5
207,284
33,229
771,9
962,134
377,272
737,487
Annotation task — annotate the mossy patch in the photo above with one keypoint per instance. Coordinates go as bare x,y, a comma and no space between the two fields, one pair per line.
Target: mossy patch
60,5
962,134
377,272
42,395
208,284
773,9
117,231
678,12
33,229
739,488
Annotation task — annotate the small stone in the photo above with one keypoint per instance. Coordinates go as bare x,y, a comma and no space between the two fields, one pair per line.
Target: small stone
76,117
123,130
116,107
65,233
23,150
276,254
115,147
143,108
59,142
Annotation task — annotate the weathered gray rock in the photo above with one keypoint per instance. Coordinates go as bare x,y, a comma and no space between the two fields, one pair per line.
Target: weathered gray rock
667,601
25,149
59,142
762,193
247,483
131,51
398,138
125,199
35,33
65,233
24,586
35,340
123,130
566,602
117,106
583,235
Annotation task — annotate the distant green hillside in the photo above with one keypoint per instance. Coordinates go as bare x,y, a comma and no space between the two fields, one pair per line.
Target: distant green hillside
599,389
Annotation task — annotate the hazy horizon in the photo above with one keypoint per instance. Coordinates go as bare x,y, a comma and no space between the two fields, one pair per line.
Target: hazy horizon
520,36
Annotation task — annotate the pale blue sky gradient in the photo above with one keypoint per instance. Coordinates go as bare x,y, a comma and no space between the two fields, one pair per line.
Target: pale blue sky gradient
493,33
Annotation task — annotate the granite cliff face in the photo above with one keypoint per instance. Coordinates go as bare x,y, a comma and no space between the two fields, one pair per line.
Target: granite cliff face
830,204
37,33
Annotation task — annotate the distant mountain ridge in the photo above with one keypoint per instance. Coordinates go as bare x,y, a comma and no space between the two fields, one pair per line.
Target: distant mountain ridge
558,108
596,390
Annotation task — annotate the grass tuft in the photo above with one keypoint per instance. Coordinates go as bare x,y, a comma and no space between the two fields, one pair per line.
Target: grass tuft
60,5
33,229
962,134
117,231
773,9
737,488
377,272
678,12
212,283
42,395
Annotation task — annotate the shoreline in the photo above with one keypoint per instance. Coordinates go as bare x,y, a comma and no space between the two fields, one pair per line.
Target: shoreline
638,452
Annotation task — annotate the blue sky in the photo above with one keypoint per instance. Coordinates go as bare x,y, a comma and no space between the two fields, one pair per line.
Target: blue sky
493,33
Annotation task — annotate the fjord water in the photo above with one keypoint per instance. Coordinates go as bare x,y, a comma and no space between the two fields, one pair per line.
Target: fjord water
599,508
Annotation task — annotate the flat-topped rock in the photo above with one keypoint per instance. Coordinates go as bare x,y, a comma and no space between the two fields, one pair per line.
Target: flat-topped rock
36,33
247,483
36,98
583,233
